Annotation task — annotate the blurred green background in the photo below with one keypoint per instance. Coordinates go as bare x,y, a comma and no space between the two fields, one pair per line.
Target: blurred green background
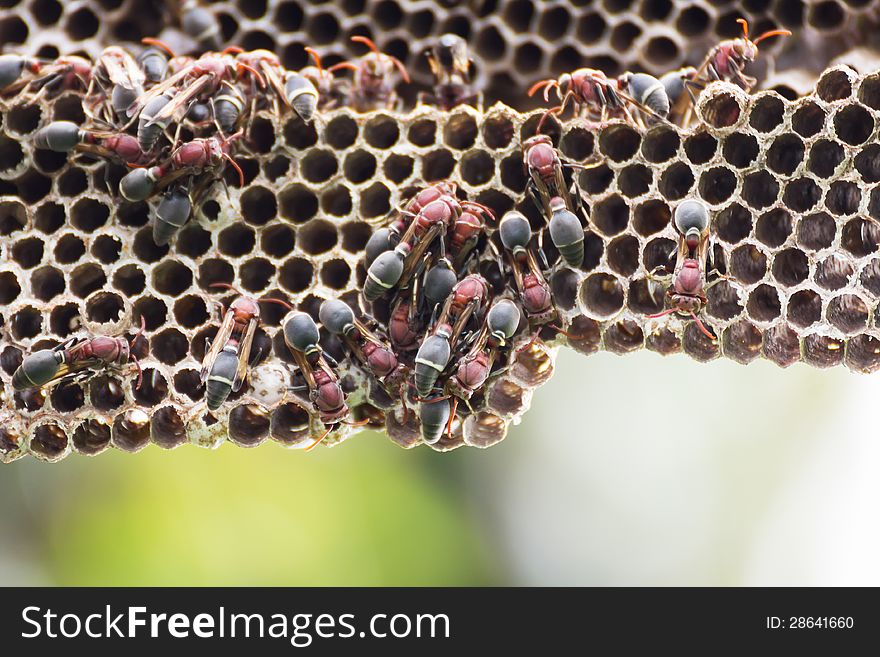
635,470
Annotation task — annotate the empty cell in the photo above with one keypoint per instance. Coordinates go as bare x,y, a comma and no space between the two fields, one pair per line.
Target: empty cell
717,185
153,310
188,382
23,119
554,23
853,124
248,425
610,215
786,153
91,437
742,341
375,202
64,320
722,110
298,203
215,270
398,168
619,142
825,156
816,231
153,389
676,181
32,186
48,217
594,180
490,43
256,274
734,223
760,189
563,285
87,278
774,227
131,431
833,273
843,198
437,165
68,108
801,195
167,429
258,205
781,345
382,132
663,341
767,113
278,240
422,132
289,424
692,20
700,147
106,393
73,182
169,346
763,304
659,252
624,35
867,163
623,255
9,287
870,276
827,15
808,120
105,307
478,168
590,28
11,153
460,131
748,264
48,441
634,180
823,351
138,214
623,337
863,353
300,135
791,267
47,283
869,91
28,252
660,144
723,301
49,161
106,248
296,275
191,311
860,237
26,323
740,149
645,297
651,217
836,84
341,132
848,313
172,278
698,345
662,51
577,144
145,248
804,308
236,240
319,166
601,295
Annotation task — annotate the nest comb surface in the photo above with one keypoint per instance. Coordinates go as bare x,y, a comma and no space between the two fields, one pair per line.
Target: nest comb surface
794,189
515,41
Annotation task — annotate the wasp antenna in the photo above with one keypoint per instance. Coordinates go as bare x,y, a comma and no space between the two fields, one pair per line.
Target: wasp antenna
368,42
319,440
150,41
225,286
359,423
400,67
342,65
702,327
235,166
452,417
745,24
542,83
245,67
771,33
663,314
232,50
315,56
280,302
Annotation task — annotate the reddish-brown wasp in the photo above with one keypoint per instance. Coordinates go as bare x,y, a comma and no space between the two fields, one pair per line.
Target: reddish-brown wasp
374,80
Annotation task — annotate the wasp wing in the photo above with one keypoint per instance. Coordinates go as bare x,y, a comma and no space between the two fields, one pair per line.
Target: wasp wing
220,341
244,355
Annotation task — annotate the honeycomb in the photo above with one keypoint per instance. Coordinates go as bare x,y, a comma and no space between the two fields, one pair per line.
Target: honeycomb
793,185
515,41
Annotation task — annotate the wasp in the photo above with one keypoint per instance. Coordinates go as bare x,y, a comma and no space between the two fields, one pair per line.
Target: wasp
66,73
531,286
452,68
65,136
325,392
119,78
591,91
12,67
77,358
373,78
224,368
686,295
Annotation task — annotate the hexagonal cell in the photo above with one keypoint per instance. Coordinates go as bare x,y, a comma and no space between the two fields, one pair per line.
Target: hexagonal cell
477,168
766,114
289,425
248,425
91,437
700,147
131,430
801,195
651,217
696,344
748,264
584,335
49,442
601,296
740,150
506,397
498,131
781,345
848,313
532,366
843,198
823,351
742,341
723,301
619,143
804,308
26,323
676,181
853,124
577,144
816,231
808,120
721,109
717,185
763,304
863,354
825,156
484,430
773,228
623,337
870,276
835,84
833,272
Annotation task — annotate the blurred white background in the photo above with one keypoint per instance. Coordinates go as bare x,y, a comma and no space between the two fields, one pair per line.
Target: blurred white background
644,470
